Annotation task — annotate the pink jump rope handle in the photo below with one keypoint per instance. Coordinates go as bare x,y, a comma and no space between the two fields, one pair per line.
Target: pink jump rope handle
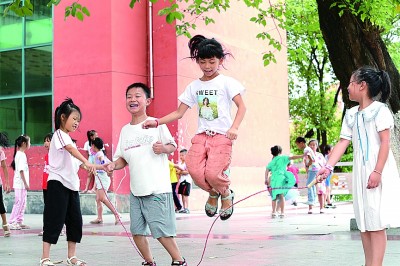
315,181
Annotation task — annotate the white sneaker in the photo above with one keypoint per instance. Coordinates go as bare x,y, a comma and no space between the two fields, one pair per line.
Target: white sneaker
15,226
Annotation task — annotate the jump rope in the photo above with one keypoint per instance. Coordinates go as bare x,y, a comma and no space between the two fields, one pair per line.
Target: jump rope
318,179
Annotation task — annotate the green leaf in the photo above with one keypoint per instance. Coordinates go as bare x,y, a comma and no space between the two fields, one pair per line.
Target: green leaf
86,11
132,3
170,18
79,15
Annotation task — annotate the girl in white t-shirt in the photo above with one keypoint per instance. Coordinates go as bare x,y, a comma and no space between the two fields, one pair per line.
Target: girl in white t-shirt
62,202
6,185
21,182
211,151
91,135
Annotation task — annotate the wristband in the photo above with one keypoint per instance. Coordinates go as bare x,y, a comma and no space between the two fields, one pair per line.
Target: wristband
329,167
157,124
376,171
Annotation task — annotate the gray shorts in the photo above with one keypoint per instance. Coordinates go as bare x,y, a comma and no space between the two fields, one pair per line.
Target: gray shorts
154,212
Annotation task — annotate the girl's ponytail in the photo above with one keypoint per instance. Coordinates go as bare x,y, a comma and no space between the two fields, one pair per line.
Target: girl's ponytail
194,45
386,85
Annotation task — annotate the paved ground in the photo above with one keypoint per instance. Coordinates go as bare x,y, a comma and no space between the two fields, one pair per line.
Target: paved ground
250,237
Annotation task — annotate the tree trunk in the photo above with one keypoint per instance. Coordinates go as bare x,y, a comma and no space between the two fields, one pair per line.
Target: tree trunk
351,44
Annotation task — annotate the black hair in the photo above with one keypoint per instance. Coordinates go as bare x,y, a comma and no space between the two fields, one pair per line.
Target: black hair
90,134
183,150
146,89
48,136
300,140
327,149
204,48
4,142
378,81
98,143
18,143
276,150
65,108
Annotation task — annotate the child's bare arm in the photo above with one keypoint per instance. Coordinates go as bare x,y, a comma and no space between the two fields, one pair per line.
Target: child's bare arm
241,111
376,176
175,115
6,180
74,152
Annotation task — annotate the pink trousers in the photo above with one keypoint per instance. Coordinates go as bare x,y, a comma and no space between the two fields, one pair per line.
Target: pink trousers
17,214
207,160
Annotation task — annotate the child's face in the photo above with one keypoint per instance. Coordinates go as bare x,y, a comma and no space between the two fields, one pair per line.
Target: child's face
27,144
136,101
47,144
182,156
354,89
313,145
300,145
95,135
71,123
210,67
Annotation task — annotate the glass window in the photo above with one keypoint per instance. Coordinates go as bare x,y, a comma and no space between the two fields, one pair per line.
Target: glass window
11,118
38,117
38,65
10,29
39,26
11,73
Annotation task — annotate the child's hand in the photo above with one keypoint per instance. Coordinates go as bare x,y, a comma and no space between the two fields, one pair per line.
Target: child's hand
150,124
232,133
374,180
323,173
91,168
7,188
110,167
26,186
158,148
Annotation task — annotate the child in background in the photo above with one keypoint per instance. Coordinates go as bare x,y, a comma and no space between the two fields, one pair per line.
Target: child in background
145,151
185,181
174,182
315,162
211,151
327,152
376,181
280,181
6,185
295,171
21,182
91,135
62,199
103,182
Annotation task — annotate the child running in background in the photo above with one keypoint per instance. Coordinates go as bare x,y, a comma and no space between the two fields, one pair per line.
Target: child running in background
376,181
185,181
21,182
281,180
62,199
6,185
91,135
210,154
102,183
315,162
145,151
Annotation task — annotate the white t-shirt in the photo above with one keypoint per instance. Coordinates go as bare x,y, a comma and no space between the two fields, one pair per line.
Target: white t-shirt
21,164
307,151
63,166
2,158
214,101
149,172
186,177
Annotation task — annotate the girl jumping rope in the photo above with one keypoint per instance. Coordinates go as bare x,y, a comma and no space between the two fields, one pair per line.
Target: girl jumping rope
375,176
21,182
6,185
210,153
102,183
62,202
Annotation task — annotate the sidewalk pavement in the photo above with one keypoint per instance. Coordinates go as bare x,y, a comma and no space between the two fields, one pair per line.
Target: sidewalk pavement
249,237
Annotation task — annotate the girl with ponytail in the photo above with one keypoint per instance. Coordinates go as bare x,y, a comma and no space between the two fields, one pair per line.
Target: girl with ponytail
21,182
376,179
